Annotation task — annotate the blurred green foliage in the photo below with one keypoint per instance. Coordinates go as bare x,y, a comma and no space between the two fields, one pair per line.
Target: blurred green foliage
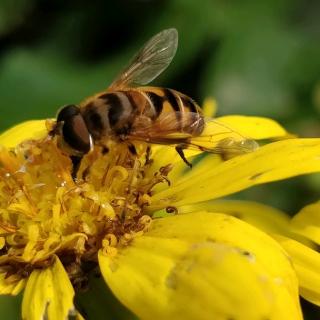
98,303
255,57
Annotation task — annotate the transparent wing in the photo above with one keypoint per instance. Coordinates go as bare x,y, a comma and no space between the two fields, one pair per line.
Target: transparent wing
219,138
177,128
150,61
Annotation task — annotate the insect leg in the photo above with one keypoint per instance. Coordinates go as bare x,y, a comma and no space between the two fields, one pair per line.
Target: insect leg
148,154
76,161
132,149
179,149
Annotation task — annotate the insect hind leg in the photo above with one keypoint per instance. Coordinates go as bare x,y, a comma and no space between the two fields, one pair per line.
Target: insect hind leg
179,149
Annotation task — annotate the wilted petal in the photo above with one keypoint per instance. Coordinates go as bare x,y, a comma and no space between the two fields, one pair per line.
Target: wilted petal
203,266
48,294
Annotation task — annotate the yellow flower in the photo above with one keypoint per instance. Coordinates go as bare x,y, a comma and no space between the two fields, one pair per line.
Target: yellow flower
118,214
306,223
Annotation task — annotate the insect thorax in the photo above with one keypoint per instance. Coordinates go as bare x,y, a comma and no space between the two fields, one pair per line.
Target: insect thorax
108,114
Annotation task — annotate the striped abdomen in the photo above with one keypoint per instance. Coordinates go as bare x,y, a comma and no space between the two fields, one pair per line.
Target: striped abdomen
123,112
166,102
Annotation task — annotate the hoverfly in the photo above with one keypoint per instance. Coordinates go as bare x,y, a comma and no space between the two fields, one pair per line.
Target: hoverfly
128,111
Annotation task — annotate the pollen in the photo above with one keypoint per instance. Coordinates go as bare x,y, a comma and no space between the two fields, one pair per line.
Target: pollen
53,206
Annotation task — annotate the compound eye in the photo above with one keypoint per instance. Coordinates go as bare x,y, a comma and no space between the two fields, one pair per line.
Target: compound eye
67,112
74,130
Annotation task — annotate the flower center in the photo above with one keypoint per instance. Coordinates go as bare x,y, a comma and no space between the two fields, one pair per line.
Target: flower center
50,205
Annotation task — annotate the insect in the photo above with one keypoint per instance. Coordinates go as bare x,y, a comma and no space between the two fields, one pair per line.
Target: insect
128,111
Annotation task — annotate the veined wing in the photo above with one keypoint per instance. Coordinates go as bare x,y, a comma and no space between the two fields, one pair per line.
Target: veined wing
191,131
152,59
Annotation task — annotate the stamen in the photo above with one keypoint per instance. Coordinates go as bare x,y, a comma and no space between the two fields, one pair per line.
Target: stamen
47,212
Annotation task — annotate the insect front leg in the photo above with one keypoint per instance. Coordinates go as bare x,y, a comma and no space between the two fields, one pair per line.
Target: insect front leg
76,161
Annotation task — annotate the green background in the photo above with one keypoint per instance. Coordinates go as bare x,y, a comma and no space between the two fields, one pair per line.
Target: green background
255,57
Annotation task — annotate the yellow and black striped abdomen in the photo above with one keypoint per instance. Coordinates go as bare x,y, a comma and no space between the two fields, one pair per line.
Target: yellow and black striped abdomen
181,108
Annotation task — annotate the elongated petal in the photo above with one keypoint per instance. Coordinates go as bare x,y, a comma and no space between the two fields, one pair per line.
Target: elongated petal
307,222
35,129
48,294
203,266
266,218
275,161
269,219
254,127
307,265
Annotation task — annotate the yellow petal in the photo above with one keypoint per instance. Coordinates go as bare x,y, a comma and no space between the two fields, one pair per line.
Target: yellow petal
203,266
274,161
269,219
307,265
307,222
209,107
48,294
254,127
10,287
35,129
266,218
